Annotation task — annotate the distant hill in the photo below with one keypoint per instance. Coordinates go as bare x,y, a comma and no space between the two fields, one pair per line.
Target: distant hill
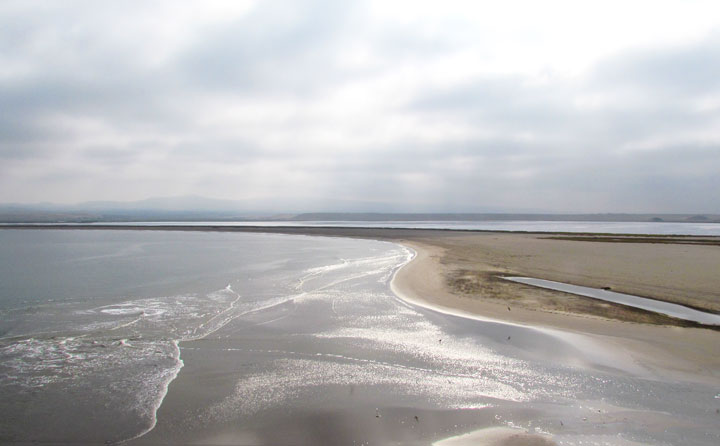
194,208
188,208
676,218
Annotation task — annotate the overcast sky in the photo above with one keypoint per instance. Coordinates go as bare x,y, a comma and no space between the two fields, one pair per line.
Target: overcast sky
564,106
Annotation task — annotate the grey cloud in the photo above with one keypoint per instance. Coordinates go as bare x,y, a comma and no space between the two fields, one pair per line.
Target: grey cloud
528,144
685,70
505,104
223,151
19,152
112,155
665,81
286,51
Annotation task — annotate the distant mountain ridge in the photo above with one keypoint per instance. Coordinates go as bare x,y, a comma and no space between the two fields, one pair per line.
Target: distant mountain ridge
185,208
196,208
607,217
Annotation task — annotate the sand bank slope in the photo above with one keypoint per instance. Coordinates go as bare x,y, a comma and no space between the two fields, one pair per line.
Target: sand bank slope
669,351
497,436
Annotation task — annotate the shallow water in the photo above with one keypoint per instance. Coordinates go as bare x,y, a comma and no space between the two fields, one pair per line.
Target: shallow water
273,339
656,306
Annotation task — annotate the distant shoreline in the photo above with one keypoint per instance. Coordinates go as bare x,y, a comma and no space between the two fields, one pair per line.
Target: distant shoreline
135,212
436,237
458,270
365,232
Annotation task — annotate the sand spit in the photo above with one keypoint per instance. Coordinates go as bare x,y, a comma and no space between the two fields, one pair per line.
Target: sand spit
664,351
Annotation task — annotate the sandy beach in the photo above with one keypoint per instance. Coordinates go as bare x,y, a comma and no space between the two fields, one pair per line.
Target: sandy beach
459,273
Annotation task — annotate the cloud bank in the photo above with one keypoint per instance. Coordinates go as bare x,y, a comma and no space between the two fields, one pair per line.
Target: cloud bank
402,106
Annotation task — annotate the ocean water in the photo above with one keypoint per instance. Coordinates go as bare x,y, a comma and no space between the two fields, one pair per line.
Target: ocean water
111,336
98,315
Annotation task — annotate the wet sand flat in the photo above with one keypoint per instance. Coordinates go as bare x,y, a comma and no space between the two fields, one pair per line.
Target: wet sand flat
661,344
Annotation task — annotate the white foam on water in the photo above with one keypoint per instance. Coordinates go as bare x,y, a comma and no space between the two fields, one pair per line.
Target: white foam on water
123,311
155,404
372,265
358,269
134,342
